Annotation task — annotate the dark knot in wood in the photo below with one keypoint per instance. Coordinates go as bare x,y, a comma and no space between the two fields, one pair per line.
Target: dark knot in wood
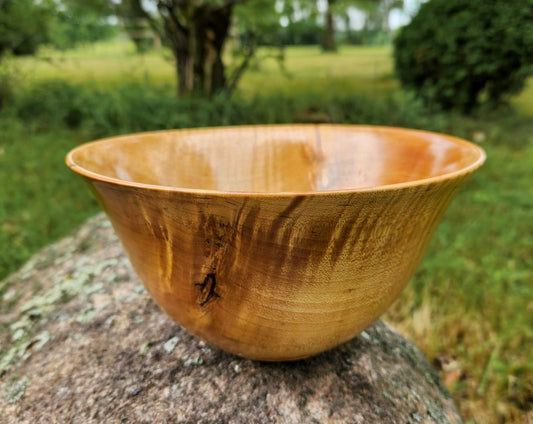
207,289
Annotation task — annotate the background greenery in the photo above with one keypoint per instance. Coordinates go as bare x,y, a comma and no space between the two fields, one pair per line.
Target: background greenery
465,53
469,307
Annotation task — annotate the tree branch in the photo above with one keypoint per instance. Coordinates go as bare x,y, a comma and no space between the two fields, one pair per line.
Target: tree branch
239,71
228,3
171,12
138,9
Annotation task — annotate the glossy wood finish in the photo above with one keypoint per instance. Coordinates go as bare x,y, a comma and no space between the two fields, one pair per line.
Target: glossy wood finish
276,242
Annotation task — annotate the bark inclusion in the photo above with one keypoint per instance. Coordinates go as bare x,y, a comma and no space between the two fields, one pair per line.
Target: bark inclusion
207,289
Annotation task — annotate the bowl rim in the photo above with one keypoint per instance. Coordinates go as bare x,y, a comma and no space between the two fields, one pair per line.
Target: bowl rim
69,160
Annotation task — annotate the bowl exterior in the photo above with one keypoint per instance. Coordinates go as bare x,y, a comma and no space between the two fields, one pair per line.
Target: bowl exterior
275,277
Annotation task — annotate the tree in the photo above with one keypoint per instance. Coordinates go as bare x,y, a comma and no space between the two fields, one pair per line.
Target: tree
463,53
26,24
254,20
196,32
23,26
377,15
301,24
329,31
136,27
73,22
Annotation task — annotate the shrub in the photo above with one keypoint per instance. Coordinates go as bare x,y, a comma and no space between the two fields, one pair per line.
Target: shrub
52,102
23,26
135,106
464,53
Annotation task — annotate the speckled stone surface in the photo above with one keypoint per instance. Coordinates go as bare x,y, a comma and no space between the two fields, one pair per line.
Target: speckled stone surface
82,342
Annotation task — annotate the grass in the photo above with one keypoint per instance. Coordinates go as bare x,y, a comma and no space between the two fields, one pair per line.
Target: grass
469,307
102,64
106,64
40,201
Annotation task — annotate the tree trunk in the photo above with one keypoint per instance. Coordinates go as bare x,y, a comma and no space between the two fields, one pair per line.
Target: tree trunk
197,46
196,35
329,36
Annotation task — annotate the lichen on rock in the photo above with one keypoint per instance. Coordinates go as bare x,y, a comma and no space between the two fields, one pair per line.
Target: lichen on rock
15,389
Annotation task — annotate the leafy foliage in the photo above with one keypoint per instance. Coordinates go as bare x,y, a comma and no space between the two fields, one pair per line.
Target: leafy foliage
23,26
133,106
74,22
27,24
463,53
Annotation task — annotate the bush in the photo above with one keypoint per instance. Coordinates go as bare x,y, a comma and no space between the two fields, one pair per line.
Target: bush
52,102
464,53
135,106
23,26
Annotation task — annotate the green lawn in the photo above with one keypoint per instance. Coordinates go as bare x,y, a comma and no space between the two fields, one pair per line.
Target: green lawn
469,307
106,64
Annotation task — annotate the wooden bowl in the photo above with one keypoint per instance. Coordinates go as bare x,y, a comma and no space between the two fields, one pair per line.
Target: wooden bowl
276,242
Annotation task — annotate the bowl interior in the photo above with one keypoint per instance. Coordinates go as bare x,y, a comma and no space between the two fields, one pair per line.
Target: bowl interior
276,159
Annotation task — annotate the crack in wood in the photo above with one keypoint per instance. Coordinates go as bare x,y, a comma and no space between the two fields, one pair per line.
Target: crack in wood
207,289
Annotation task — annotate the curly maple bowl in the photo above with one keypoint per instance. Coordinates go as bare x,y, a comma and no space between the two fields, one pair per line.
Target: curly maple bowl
276,242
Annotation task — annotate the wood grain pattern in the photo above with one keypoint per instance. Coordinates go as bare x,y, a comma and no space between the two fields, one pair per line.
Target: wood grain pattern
276,242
